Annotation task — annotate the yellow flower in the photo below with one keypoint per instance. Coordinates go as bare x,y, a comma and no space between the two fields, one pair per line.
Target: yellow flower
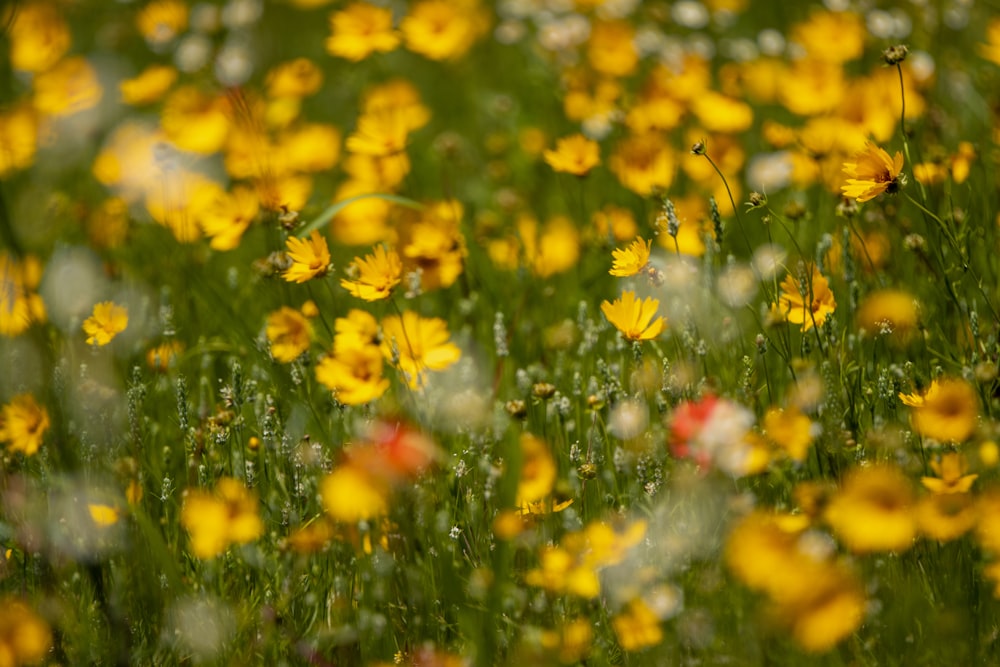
149,86
871,173
947,411
353,374
951,478
807,302
832,610
18,138
833,37
68,88
417,344
634,318
195,121
434,245
873,511
289,333
632,260
611,49
214,520
374,277
25,638
946,516
538,471
39,36
296,78
789,429
637,627
103,515
350,495
643,163
575,154
991,49
161,21
228,215
890,312
310,258
359,30
161,357
23,424
19,305
381,133
442,30
107,321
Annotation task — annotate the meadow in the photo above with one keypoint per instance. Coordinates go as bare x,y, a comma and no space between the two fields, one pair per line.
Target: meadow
528,332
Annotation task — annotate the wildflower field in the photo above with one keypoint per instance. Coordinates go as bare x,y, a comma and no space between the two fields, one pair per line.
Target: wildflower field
527,332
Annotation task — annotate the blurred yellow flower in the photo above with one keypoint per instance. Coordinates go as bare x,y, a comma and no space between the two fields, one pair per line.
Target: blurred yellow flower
634,317
353,374
20,306
873,510
947,411
946,516
375,276
575,154
161,21
791,430
23,424
289,333
889,312
833,37
416,345
442,29
359,30
991,49
310,258
38,34
358,330
631,260
300,77
643,163
216,519
805,302
611,48
107,321
871,173
196,121
350,495
148,86
637,627
68,88
538,471
434,245
102,514
950,469
25,638
228,215
160,358
381,133
18,138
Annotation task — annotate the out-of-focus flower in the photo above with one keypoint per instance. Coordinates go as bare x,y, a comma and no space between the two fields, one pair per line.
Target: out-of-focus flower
161,357
228,215
160,21
807,302
23,424
634,317
39,36
873,510
350,495
102,514
637,627
374,277
148,86
359,30
443,30
18,139
196,121
416,345
614,222
575,154
833,37
20,306
434,245
571,641
538,471
893,313
216,519
643,163
631,260
791,430
381,133
68,88
991,49
107,321
25,638
353,374
289,333
300,77
310,258
358,330
871,173
946,516
950,474
611,48
947,411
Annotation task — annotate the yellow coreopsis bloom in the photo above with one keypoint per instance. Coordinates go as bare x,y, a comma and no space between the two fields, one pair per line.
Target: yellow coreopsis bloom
807,302
25,638
634,317
228,215
149,86
23,424
108,320
289,333
215,520
162,20
538,471
359,30
68,88
374,277
442,30
575,154
353,374
631,260
991,49
296,78
871,173
310,258
350,494
873,511
418,344
947,411
637,627
951,478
